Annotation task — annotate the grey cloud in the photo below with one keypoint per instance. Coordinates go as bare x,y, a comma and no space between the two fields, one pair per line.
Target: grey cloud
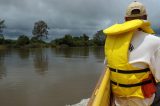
69,16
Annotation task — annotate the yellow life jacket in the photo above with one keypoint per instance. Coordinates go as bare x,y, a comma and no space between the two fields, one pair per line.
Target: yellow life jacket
116,51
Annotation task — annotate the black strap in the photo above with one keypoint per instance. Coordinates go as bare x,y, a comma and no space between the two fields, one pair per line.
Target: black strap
129,71
131,47
132,85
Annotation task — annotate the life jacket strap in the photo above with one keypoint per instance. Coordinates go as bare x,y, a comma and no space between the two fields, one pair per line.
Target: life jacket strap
129,71
132,85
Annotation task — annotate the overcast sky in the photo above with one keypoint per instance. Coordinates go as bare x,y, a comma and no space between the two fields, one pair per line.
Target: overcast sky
69,16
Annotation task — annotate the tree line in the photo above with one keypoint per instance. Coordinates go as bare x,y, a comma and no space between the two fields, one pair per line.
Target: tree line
40,31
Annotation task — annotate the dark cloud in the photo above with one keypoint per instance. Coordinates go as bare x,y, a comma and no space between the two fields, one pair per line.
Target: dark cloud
69,16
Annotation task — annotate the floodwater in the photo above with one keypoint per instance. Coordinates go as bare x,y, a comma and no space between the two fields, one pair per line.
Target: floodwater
48,76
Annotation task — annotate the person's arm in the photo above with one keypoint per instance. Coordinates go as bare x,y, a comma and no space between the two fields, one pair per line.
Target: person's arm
105,61
155,64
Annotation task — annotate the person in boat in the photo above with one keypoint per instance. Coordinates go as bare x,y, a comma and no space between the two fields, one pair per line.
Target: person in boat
132,54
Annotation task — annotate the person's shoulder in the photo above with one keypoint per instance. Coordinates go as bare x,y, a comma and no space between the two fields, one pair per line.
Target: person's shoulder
146,36
154,39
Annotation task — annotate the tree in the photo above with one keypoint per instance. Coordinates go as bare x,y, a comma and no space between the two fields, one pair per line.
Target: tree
36,40
72,41
85,37
99,38
85,40
2,26
68,40
22,40
1,39
40,29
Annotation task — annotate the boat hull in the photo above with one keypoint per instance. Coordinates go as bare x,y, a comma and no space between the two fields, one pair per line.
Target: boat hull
102,94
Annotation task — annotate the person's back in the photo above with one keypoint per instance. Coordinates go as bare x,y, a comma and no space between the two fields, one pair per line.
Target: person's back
144,52
130,78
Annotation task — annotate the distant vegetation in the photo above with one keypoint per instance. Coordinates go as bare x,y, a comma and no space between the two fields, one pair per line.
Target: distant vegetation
40,31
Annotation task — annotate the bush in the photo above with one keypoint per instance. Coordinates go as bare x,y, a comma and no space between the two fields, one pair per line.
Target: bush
36,40
9,41
22,40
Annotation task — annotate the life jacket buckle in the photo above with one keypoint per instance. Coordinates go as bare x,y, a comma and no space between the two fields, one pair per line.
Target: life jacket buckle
116,70
117,84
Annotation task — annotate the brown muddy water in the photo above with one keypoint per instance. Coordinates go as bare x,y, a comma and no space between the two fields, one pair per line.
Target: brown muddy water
48,77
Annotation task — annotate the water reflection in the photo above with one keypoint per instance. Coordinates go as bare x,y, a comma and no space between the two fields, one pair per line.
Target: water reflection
40,59
71,52
98,52
23,53
2,64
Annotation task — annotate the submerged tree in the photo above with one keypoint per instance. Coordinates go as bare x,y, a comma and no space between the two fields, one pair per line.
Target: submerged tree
40,29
